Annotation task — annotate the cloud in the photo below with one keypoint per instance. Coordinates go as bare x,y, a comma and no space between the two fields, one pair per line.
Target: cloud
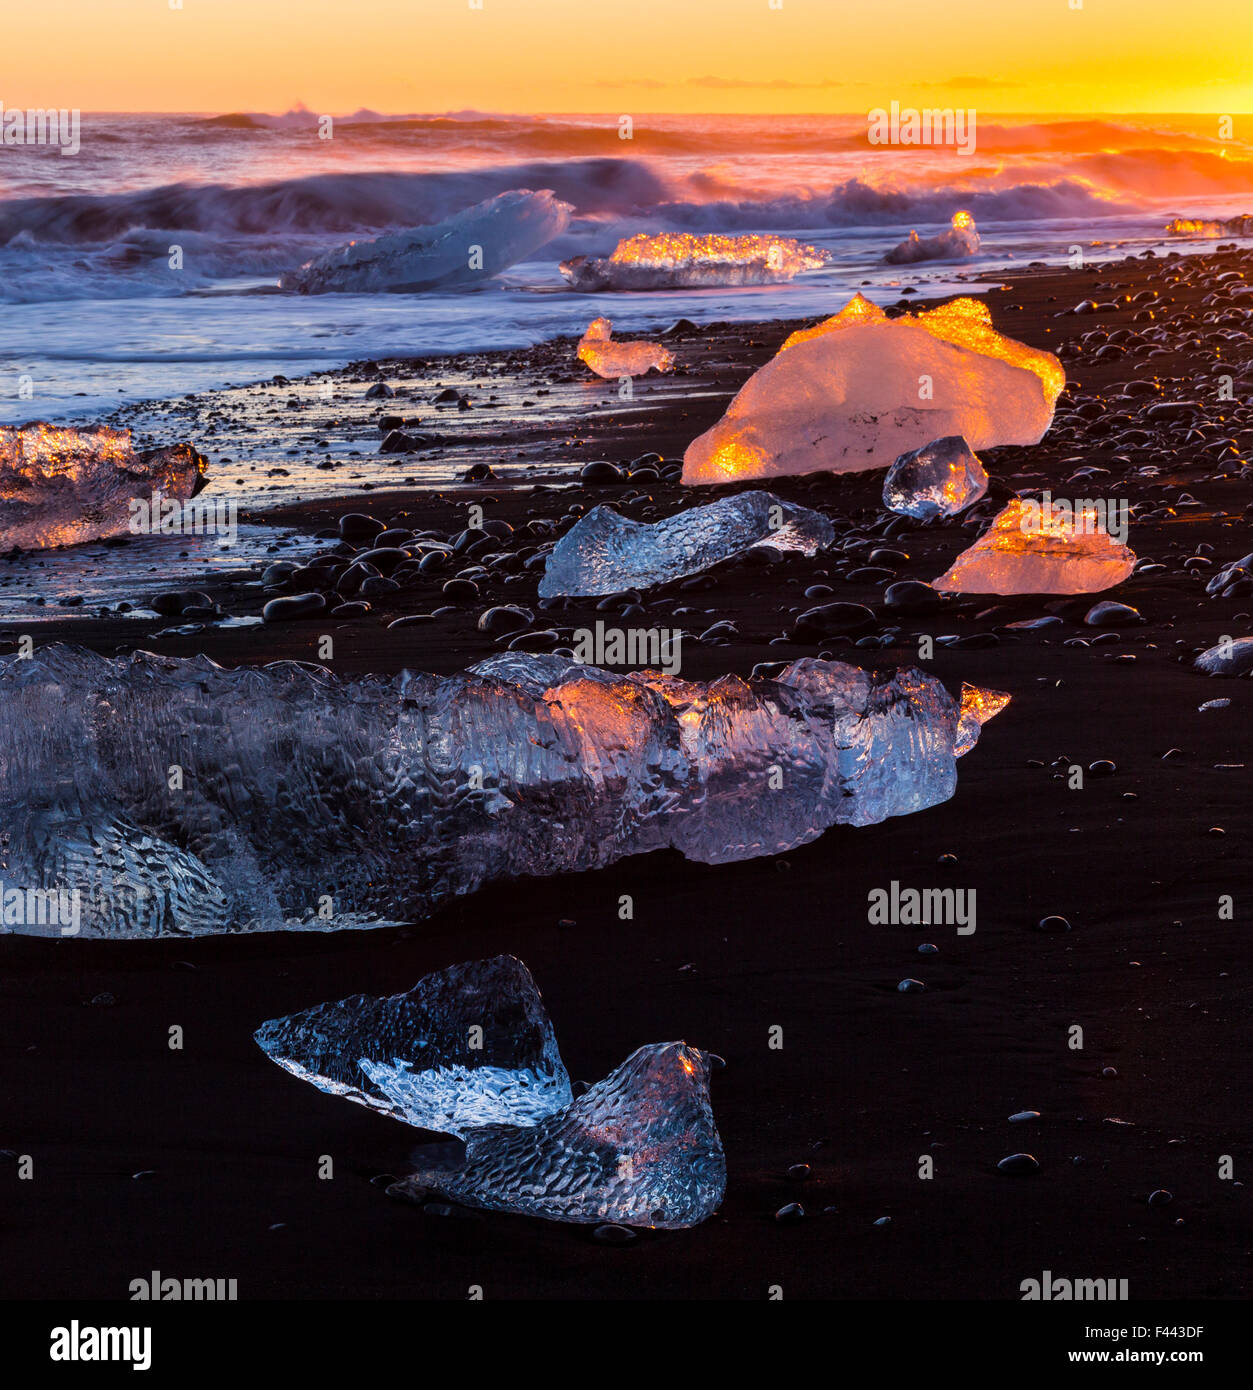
732,84
775,84
975,84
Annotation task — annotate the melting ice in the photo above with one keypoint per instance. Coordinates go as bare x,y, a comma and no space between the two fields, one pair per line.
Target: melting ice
682,260
953,243
605,553
61,486
1029,549
177,797
464,249
609,359
860,389
470,1051
941,479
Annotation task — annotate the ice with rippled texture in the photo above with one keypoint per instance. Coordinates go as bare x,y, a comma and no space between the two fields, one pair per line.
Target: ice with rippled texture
62,486
606,553
465,1047
941,479
505,229
639,1148
307,801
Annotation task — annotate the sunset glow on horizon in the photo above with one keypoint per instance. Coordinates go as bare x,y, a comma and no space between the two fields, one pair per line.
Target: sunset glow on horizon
651,56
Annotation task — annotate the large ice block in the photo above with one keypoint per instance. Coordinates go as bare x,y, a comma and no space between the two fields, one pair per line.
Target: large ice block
177,797
683,260
465,1047
609,359
1030,549
462,250
941,479
606,553
61,486
639,1149
860,389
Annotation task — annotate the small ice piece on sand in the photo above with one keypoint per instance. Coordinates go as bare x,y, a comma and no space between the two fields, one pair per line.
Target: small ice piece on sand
955,242
1227,658
465,1047
682,260
639,1148
605,553
1031,548
507,228
845,395
62,486
609,359
942,478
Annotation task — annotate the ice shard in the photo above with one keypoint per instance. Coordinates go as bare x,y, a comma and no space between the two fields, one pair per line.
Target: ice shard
61,486
465,1047
860,389
683,260
941,479
639,1148
505,229
307,801
606,553
1036,548
609,359
955,242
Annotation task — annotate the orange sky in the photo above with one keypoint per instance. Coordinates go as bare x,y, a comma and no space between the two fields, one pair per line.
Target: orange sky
629,55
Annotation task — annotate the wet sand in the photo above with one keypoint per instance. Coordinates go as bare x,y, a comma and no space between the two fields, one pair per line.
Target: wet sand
868,1080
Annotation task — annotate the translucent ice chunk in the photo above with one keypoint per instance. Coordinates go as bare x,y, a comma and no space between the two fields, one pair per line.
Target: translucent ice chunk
605,553
507,228
60,486
639,1148
609,359
681,260
465,1047
845,395
312,802
942,478
953,243
1033,549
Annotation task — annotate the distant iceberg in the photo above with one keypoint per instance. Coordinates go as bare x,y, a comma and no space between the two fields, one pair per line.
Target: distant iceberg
682,260
959,240
305,801
461,251
605,553
858,390
62,486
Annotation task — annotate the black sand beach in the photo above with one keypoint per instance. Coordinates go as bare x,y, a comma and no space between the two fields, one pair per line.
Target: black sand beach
205,1160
